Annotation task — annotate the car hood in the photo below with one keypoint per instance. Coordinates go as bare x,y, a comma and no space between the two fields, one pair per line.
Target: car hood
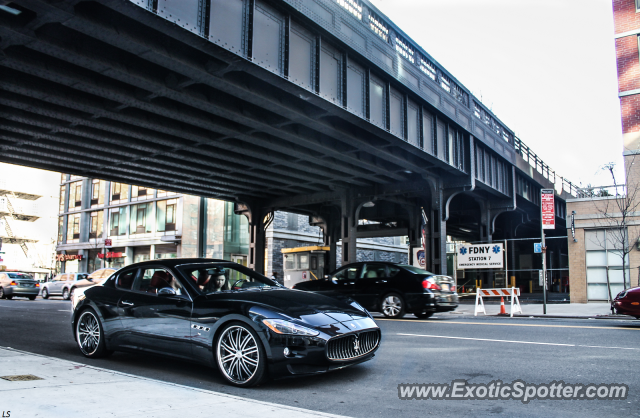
303,307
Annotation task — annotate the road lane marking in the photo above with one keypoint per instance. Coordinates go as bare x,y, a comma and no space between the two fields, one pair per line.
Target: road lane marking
517,342
506,325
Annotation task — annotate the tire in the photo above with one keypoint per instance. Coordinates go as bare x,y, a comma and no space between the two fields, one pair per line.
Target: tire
90,335
423,315
32,298
393,305
2,295
247,370
9,297
65,294
45,293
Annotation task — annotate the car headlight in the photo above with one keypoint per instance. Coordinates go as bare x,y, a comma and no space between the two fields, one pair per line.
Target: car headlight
280,326
621,294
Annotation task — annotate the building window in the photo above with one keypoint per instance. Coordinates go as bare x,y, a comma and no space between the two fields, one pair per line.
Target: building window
141,193
75,195
119,193
60,229
118,222
163,193
97,193
96,224
166,215
63,192
73,228
141,219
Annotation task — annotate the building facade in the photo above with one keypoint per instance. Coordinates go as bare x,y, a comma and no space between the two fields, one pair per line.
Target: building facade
604,251
108,224
28,215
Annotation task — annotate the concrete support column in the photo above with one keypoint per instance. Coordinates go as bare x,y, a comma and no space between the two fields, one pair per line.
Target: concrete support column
83,264
438,230
255,214
128,251
152,252
348,230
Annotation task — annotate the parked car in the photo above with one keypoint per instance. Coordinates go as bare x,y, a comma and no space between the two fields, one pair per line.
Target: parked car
61,285
18,284
224,315
391,288
627,302
93,279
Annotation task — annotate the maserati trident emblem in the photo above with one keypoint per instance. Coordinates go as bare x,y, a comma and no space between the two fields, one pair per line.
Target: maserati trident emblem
356,344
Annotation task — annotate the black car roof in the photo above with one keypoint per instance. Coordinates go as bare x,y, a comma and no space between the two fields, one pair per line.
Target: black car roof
172,262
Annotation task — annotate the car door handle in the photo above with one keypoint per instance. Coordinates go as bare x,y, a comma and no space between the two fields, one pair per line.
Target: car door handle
124,302
381,281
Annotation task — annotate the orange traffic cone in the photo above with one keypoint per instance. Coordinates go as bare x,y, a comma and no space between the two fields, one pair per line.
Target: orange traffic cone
502,310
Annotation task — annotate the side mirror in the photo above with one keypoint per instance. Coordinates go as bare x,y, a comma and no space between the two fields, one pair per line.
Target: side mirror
166,291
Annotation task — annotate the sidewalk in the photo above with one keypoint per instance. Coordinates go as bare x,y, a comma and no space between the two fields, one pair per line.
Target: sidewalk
71,390
562,310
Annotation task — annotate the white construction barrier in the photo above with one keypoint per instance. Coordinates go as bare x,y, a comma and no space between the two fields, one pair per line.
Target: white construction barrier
513,292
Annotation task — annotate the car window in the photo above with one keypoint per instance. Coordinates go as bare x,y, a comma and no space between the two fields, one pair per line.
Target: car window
125,279
374,271
416,270
220,277
349,273
153,279
393,270
81,276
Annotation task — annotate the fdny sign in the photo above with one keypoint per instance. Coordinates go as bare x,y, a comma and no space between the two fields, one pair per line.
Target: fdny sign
480,256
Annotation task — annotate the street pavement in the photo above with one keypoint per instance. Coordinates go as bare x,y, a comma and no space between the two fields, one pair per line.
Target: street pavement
439,350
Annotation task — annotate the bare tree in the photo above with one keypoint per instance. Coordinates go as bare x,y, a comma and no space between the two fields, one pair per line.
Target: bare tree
617,206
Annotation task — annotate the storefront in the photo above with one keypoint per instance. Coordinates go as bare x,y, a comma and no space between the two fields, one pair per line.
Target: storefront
69,262
115,258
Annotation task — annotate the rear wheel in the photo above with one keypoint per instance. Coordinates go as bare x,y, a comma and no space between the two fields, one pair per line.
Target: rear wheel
65,294
240,355
2,295
393,306
32,298
90,335
45,293
423,315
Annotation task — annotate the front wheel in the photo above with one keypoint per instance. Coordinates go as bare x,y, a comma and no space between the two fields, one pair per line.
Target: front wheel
393,306
423,315
65,294
240,355
90,336
45,293
2,295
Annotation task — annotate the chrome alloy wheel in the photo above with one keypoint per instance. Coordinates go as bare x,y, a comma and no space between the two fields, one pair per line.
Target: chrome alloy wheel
391,305
238,354
88,333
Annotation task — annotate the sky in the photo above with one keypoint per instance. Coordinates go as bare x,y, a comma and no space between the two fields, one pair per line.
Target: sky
546,68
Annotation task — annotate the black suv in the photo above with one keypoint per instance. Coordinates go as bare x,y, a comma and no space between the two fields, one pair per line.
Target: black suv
391,288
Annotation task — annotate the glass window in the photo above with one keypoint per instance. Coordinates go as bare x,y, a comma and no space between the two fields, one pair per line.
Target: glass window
219,277
303,262
97,193
289,261
60,229
374,271
118,222
141,218
63,192
162,193
346,274
96,224
75,195
153,279
166,215
125,279
119,192
141,193
73,228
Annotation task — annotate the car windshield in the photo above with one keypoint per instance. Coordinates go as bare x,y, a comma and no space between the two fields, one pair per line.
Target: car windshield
19,276
415,270
225,277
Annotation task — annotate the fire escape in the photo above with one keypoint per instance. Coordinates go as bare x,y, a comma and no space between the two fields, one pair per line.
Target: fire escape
10,214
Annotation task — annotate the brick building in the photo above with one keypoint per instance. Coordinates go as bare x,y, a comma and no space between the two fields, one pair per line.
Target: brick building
595,253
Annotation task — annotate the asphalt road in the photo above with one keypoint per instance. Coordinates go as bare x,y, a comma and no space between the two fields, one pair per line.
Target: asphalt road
438,350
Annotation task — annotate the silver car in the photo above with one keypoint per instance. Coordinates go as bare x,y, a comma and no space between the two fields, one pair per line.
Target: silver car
61,285
18,284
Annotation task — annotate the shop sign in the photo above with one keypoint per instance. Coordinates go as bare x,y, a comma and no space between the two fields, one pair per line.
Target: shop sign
68,257
548,209
480,256
107,242
111,255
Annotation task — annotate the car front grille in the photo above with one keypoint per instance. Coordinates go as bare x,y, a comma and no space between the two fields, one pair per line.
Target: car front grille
352,346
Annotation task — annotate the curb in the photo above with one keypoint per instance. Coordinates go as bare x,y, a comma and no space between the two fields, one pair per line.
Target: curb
617,317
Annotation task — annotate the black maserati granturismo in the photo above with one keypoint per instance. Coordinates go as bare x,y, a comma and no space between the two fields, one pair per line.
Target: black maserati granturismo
224,315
